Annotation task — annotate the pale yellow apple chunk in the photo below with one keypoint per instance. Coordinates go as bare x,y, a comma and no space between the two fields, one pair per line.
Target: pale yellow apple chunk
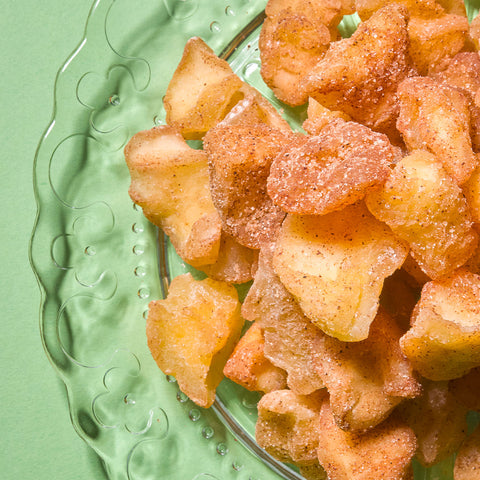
249,367
192,333
170,181
424,207
432,40
201,90
444,340
335,265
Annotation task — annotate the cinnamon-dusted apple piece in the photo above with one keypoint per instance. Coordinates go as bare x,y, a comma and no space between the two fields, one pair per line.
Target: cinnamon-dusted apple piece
434,39
335,265
249,367
418,8
444,340
287,426
436,117
192,333
286,54
463,72
335,168
474,31
289,334
329,12
239,162
383,452
170,181
366,380
438,420
424,207
359,75
234,264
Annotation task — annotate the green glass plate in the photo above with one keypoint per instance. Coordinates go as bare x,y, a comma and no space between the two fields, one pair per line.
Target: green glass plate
99,262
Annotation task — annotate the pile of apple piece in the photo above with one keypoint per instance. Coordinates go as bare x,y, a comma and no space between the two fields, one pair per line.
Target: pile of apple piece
360,234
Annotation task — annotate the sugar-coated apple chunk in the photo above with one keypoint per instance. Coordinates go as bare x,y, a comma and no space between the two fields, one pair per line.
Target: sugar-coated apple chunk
201,91
383,452
249,367
463,72
234,264
436,117
359,75
335,265
438,420
170,181
366,380
192,333
444,340
239,162
432,40
290,43
289,334
287,426
423,206
335,168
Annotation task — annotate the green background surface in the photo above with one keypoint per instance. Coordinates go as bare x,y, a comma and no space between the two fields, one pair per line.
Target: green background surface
37,439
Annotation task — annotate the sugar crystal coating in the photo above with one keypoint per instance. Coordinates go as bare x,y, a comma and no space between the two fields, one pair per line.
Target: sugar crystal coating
436,117
323,173
239,159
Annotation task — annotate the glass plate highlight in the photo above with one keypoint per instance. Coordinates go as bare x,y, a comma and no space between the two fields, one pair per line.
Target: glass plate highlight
99,262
